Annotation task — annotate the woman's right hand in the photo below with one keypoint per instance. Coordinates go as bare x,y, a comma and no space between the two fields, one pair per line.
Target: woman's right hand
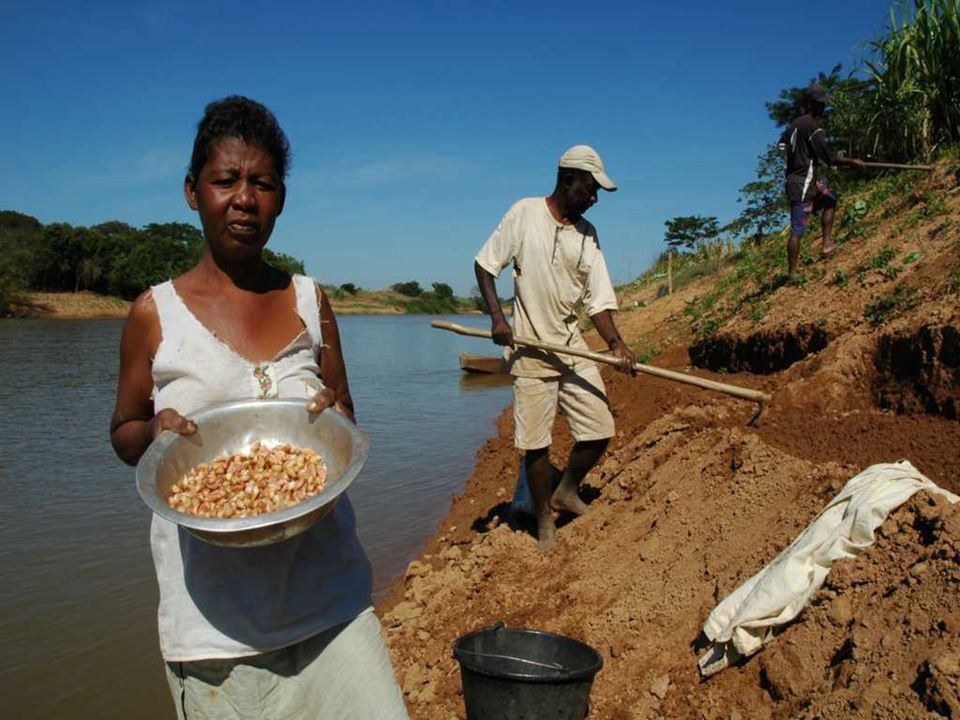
169,419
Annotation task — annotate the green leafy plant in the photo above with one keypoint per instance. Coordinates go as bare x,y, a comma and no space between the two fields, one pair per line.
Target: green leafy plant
881,262
890,192
878,261
853,222
707,326
928,205
858,210
758,311
646,353
881,309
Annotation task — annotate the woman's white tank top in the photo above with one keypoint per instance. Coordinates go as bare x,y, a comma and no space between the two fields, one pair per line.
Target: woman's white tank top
220,602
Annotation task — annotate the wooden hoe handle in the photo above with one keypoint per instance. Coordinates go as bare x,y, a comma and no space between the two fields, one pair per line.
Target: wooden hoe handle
897,166
734,390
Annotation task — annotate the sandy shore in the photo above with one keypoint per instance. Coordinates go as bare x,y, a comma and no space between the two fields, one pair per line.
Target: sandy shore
71,306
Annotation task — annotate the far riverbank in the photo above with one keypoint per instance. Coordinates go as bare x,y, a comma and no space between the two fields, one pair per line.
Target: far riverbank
86,305
82,305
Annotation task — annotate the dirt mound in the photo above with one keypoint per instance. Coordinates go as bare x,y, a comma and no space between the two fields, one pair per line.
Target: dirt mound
685,512
690,501
880,640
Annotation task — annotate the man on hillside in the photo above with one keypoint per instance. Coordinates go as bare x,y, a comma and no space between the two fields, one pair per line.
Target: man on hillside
806,148
558,267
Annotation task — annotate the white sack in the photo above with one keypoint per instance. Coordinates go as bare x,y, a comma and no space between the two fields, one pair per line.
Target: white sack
746,618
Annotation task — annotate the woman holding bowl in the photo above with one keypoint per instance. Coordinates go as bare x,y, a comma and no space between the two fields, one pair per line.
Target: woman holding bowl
285,630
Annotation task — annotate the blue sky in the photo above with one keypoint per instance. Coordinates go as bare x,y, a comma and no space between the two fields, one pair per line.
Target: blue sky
414,126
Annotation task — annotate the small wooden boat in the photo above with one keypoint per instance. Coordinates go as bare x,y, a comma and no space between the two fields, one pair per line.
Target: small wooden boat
490,365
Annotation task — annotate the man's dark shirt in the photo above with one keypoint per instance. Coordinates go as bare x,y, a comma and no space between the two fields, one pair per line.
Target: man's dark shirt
807,148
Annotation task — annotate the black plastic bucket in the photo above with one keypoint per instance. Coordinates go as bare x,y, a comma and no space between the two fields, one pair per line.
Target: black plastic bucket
513,674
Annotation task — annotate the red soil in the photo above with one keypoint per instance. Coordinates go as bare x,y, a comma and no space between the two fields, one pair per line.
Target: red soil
688,503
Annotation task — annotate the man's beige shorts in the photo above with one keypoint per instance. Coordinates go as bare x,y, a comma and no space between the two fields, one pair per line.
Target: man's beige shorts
581,397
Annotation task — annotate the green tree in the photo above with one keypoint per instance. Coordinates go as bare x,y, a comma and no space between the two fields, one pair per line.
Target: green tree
764,201
694,232
182,233
113,228
149,261
411,288
111,257
476,299
19,238
66,254
287,263
442,290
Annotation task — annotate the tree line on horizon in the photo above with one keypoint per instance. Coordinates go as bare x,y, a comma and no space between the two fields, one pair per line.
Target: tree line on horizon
439,300
901,104
118,260
111,258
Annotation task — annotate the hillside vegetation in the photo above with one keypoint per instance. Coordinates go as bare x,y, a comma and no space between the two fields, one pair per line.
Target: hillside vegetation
897,243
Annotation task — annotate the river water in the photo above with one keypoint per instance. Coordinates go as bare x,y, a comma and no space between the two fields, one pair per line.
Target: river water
77,590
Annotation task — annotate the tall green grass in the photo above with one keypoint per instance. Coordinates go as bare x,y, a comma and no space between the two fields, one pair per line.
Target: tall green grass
910,102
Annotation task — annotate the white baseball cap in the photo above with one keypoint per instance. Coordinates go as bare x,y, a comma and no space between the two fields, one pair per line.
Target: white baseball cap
584,157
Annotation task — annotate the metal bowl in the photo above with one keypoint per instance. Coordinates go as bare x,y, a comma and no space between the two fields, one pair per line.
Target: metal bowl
236,427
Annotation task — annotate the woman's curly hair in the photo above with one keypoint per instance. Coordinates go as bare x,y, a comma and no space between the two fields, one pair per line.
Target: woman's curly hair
240,117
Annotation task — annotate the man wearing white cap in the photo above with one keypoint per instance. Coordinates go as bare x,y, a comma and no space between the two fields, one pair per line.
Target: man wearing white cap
558,267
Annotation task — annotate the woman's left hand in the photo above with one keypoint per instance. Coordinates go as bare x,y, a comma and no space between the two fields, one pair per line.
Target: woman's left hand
324,399
327,398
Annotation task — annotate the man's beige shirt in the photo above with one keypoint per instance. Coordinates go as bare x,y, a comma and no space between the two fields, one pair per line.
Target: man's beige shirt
556,269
